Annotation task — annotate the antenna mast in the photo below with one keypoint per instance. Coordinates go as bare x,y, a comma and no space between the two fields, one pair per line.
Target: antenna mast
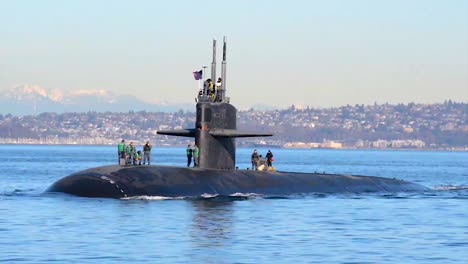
213,64
223,71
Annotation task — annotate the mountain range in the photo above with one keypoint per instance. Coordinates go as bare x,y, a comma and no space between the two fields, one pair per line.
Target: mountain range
33,99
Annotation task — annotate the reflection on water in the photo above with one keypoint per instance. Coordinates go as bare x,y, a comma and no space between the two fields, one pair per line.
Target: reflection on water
212,223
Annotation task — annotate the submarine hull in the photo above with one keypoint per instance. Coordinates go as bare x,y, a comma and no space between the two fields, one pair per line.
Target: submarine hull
121,182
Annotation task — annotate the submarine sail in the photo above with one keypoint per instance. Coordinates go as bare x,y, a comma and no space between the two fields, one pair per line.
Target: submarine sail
216,124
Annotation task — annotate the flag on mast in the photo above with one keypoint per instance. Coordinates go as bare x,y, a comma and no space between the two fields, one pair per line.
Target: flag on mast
198,75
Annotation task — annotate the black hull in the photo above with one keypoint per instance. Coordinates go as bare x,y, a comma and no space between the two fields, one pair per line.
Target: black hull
121,182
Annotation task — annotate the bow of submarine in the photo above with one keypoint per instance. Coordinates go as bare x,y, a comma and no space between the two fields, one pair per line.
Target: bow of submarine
94,182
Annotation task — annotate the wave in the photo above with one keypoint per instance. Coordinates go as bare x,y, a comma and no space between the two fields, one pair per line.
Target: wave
205,196
451,188
231,197
247,195
153,198
209,196
19,192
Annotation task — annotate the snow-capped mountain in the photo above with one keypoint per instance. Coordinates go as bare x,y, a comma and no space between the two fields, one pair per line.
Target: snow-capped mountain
33,99
32,92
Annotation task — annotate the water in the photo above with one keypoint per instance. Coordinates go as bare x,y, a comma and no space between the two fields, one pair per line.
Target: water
429,227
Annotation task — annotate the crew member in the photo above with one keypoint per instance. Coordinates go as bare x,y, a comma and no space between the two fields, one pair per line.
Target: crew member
138,158
212,96
147,153
254,159
200,94
211,86
219,96
121,150
189,155
131,154
207,86
269,157
196,155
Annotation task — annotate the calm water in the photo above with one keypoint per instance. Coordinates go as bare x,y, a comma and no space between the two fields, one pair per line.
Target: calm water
429,227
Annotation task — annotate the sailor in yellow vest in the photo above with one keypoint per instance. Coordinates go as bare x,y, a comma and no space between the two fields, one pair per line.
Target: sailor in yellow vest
138,157
208,88
211,90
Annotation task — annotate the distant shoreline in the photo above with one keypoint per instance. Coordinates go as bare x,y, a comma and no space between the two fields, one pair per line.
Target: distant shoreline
454,149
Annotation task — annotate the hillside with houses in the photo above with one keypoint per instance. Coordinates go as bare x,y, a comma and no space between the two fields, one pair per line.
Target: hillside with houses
420,126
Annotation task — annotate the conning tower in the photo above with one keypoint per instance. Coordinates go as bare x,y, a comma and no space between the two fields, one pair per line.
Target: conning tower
216,125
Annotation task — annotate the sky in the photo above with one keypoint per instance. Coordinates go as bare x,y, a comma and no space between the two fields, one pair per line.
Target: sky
312,52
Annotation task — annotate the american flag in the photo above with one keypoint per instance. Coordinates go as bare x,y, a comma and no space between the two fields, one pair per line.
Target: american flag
198,75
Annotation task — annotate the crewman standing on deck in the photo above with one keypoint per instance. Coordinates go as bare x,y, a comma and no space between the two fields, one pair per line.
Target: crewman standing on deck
147,153
269,157
131,154
196,155
121,150
189,155
254,159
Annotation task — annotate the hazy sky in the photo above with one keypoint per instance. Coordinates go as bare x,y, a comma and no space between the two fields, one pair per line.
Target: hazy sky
318,53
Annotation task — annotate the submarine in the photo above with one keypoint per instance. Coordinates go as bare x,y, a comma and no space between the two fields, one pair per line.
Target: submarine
215,132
